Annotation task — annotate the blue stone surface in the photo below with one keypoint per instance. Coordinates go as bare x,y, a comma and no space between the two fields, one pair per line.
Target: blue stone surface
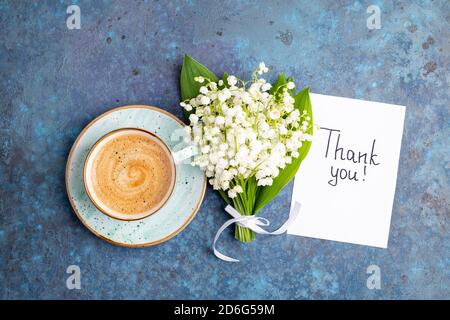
55,80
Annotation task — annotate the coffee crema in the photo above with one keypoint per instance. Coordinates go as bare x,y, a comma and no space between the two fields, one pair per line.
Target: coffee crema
132,173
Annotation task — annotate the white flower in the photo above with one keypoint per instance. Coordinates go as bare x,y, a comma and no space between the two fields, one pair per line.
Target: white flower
199,79
244,131
222,164
288,108
205,100
231,80
262,68
290,85
203,90
246,98
232,193
224,95
238,189
271,133
274,114
224,184
193,118
263,126
265,182
220,120
266,87
186,106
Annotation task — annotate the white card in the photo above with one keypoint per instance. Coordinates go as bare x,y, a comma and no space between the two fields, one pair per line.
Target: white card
346,184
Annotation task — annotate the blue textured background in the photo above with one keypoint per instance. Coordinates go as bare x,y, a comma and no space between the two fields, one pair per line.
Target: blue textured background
54,81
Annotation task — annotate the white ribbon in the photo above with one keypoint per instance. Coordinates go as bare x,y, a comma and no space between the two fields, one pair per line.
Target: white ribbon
254,223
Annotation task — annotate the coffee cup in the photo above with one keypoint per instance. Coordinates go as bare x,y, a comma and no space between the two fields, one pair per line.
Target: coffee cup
129,174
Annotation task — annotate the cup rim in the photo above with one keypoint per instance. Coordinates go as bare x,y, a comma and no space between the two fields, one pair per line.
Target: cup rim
90,154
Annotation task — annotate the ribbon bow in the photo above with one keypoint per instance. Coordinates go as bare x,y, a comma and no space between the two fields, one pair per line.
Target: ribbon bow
254,223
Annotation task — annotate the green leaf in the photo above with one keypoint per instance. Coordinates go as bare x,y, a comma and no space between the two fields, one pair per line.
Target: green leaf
225,81
225,197
267,193
303,103
188,87
280,82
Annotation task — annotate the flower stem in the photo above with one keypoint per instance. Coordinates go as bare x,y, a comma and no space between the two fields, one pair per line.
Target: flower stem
243,234
244,204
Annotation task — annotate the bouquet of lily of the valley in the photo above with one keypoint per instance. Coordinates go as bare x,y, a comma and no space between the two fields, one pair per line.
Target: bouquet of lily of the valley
251,136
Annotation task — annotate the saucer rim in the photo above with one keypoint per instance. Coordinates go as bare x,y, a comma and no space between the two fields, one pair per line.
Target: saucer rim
74,208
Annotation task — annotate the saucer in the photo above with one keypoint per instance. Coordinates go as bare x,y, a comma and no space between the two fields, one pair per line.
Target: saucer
177,212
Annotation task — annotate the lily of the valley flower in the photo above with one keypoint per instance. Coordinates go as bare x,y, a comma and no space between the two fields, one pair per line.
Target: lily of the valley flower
243,131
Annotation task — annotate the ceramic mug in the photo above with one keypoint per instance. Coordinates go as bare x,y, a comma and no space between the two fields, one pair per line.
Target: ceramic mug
128,189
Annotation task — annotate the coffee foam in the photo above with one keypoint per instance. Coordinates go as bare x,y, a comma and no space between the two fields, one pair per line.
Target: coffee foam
130,174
